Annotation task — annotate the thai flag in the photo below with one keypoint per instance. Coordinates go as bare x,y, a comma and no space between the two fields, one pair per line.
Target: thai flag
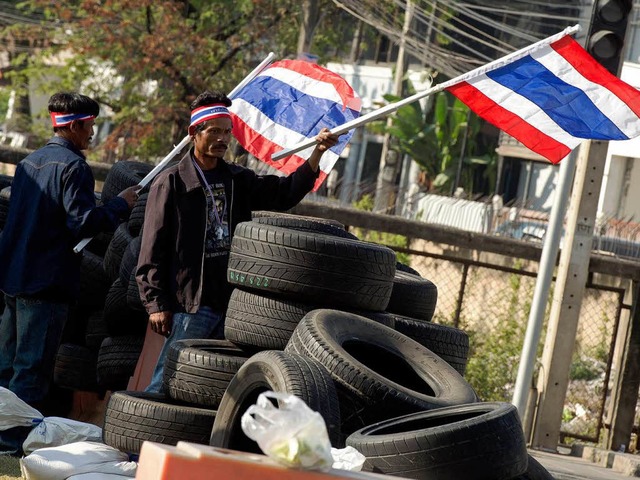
290,102
553,98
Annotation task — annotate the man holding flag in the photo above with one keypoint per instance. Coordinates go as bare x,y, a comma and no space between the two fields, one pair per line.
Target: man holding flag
192,211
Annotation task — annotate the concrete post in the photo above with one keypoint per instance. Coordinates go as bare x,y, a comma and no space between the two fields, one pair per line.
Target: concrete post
569,290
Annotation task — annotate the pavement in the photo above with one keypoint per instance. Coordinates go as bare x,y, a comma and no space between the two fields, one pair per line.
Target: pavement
589,463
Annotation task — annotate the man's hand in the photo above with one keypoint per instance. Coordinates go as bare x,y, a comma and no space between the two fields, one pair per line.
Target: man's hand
161,322
325,140
130,195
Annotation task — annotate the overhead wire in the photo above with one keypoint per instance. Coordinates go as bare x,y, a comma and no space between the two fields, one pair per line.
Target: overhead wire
497,27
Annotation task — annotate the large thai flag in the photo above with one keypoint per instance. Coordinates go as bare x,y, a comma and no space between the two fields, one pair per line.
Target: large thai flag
290,102
553,98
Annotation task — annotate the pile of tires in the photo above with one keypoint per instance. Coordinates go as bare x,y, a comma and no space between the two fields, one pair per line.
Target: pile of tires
104,335
337,322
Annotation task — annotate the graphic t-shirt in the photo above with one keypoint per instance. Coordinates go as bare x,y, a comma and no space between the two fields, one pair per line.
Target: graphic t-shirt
215,289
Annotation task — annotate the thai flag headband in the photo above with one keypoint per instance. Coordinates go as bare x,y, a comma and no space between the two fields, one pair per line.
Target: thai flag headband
63,119
202,114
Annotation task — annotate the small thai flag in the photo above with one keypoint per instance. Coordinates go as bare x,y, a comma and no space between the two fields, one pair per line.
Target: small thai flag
288,103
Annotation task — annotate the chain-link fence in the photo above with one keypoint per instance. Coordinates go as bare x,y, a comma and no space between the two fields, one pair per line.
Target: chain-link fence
491,300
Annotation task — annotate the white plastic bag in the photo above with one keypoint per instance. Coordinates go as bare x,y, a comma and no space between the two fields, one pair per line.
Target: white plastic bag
16,413
56,431
291,434
347,458
60,463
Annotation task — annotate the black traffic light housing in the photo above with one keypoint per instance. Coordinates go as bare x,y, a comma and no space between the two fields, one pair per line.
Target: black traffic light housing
607,30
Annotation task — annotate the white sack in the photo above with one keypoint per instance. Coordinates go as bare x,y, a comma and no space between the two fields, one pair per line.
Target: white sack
56,431
60,463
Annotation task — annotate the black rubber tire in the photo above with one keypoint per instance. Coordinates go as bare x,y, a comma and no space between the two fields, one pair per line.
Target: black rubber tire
94,282
262,322
199,371
311,267
5,181
413,296
75,368
278,372
449,343
115,251
134,417
96,330
136,217
119,317
401,267
480,441
129,260
99,244
75,327
535,471
302,223
5,197
134,302
376,369
123,174
117,359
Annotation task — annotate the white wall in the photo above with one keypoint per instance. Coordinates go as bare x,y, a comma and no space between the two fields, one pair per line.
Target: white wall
542,184
620,196
373,82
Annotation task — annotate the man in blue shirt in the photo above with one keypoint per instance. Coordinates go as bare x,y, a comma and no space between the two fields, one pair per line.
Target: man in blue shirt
52,208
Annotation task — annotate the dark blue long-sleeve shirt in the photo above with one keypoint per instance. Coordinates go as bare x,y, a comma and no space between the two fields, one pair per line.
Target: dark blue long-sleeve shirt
52,207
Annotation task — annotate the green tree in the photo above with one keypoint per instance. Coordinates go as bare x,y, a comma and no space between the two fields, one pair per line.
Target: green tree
435,141
150,58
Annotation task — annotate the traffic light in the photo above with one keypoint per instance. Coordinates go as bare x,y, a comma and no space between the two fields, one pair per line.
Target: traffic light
607,29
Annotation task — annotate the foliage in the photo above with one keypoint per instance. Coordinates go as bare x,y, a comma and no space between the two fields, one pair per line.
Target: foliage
435,141
494,359
383,238
151,58
5,93
585,369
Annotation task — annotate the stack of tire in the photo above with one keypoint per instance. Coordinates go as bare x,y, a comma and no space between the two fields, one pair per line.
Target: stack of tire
337,322
105,331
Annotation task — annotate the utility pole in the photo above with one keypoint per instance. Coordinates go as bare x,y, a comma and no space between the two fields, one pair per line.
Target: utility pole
390,159
604,42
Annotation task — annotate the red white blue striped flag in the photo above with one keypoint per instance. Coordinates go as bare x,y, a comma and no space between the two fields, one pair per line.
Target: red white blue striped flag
552,98
290,102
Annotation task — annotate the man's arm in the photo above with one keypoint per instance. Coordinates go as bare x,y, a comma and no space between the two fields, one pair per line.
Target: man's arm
84,218
272,192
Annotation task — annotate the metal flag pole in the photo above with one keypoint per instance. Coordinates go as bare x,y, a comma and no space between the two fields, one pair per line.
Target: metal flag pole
392,107
183,143
547,264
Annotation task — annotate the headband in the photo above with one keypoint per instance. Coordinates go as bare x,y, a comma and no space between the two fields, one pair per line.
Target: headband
202,114
63,119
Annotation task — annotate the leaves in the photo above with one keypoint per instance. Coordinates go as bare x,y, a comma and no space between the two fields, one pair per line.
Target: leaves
146,60
436,143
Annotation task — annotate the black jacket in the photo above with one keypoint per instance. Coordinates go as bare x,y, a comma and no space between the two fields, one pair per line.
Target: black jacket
170,265
52,208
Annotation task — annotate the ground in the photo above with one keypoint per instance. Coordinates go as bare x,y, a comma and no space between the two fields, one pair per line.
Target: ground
9,468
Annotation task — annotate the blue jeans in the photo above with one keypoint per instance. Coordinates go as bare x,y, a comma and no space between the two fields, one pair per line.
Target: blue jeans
205,323
30,333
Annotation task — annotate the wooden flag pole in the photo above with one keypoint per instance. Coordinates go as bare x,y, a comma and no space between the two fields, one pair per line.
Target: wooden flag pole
184,142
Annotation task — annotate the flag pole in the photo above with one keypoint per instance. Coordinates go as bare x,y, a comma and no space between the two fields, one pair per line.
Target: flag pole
183,143
550,247
392,107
